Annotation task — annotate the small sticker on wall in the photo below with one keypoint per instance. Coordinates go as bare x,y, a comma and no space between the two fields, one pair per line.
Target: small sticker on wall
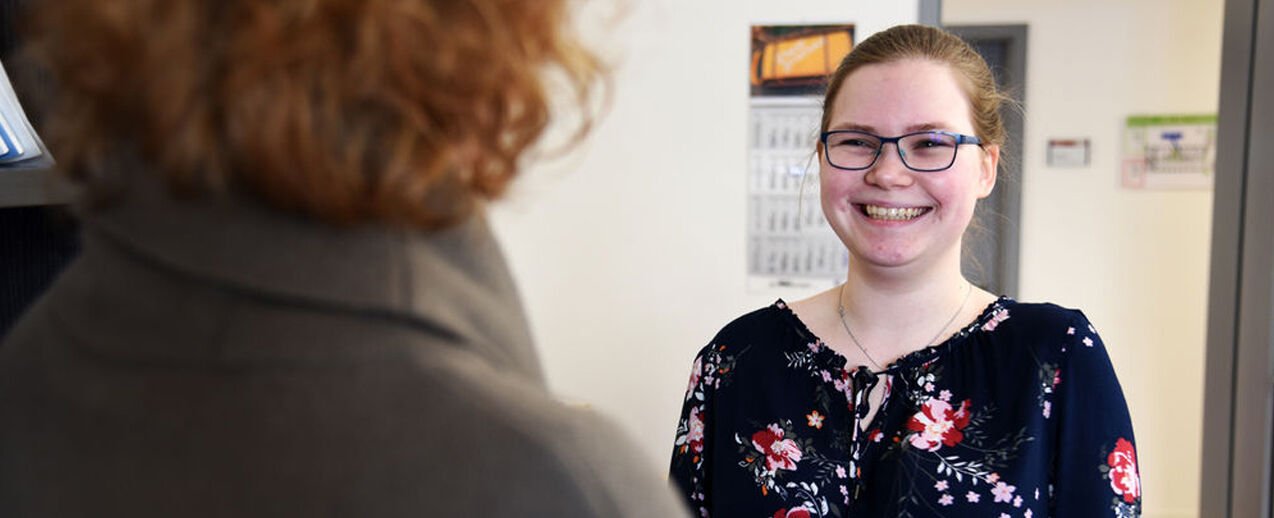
1072,152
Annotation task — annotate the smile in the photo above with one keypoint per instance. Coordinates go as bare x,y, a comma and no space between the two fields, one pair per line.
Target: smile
894,213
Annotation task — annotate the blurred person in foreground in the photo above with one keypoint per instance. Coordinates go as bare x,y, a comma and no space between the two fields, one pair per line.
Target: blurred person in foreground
289,302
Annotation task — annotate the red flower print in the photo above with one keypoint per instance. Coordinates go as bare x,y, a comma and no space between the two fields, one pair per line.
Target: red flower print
696,430
779,453
1123,471
937,423
796,512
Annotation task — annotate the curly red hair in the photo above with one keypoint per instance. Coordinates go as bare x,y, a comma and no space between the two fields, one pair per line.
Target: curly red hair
397,111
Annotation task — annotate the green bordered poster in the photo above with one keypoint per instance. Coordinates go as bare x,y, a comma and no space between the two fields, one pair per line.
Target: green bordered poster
1169,152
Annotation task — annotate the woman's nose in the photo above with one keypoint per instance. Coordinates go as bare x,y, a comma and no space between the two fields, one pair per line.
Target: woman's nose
889,171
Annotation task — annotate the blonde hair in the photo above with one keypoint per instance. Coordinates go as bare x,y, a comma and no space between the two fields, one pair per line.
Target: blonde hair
406,112
924,42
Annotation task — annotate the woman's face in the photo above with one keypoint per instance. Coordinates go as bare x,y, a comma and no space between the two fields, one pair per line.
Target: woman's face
889,100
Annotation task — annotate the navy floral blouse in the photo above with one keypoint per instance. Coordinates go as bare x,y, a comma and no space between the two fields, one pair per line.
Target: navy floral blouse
1018,414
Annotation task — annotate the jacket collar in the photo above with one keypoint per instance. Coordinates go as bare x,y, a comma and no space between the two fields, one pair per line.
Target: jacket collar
453,282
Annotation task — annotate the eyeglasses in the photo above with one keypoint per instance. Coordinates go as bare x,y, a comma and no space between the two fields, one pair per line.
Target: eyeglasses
924,151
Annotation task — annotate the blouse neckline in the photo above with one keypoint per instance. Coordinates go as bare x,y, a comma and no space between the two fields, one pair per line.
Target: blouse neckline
917,357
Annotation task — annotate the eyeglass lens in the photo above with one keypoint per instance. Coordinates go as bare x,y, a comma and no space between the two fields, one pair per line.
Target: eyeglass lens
920,151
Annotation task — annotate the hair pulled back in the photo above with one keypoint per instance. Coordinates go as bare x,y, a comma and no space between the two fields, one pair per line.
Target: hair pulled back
929,43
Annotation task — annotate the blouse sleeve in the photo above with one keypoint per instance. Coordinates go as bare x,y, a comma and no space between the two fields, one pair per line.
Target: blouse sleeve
690,468
1096,465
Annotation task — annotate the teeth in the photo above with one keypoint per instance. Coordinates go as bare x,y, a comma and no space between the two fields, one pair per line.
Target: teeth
893,213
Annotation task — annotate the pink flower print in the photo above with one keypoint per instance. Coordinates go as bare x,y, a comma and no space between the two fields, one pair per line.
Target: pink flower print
843,384
840,471
779,453
827,376
813,346
1088,341
1048,409
946,500
1017,501
945,395
941,485
1123,471
1003,492
696,430
993,478
996,318
973,497
695,372
1005,515
1057,377
815,419
928,387
937,423
1070,330
1027,514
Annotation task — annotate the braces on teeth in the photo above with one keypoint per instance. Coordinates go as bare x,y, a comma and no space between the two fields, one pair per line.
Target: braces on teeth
893,213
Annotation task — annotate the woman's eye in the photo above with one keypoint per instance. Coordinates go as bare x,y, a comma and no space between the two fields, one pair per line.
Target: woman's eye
857,142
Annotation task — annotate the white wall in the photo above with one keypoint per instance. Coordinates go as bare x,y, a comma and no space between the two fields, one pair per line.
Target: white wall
1135,261
630,255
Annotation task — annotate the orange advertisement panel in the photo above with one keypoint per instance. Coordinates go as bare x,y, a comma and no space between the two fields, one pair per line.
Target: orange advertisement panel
796,60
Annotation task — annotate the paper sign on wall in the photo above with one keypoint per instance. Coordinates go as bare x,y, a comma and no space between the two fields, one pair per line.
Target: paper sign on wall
1169,151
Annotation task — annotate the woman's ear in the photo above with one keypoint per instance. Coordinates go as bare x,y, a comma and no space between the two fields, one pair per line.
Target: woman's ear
990,165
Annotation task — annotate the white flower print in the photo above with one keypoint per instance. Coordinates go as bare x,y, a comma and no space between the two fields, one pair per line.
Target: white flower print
946,500
941,485
1003,492
1088,341
973,497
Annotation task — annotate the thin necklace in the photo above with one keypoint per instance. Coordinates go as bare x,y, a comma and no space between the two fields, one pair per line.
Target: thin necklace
840,309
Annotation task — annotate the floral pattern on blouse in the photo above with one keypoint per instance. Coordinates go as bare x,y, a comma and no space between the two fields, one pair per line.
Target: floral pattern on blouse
1019,414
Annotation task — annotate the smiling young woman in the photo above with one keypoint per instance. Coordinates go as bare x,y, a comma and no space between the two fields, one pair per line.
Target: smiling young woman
907,391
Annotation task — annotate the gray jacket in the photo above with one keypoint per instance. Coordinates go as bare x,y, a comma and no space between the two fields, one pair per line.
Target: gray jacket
216,358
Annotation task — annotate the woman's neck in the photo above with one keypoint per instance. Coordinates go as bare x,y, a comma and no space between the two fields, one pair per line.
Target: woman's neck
898,311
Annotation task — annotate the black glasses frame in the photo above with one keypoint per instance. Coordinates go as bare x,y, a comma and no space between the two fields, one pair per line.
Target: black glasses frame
960,139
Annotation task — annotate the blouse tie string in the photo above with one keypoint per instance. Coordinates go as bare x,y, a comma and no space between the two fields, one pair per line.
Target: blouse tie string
863,381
